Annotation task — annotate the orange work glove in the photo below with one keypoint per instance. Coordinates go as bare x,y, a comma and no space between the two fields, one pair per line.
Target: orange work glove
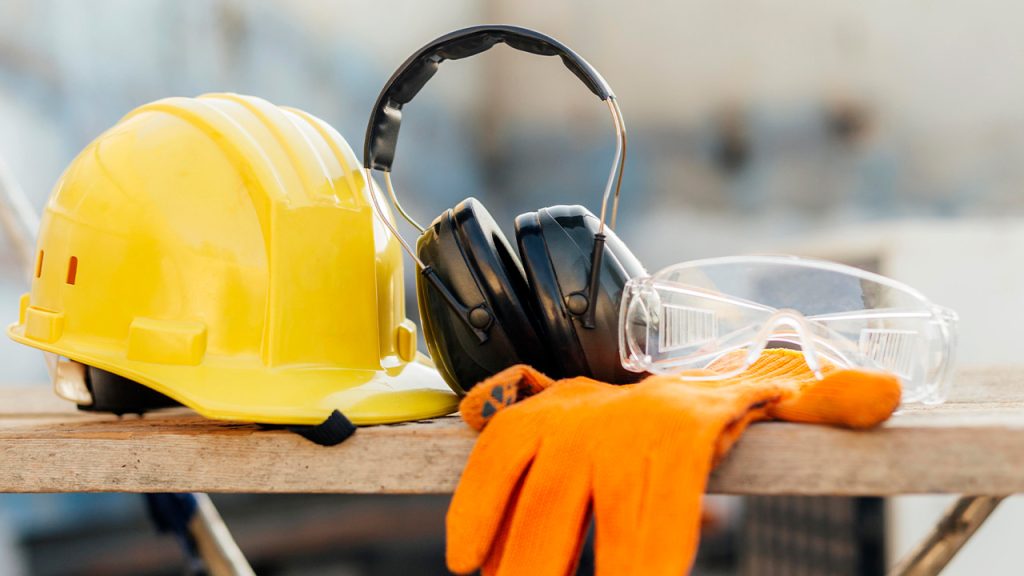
637,455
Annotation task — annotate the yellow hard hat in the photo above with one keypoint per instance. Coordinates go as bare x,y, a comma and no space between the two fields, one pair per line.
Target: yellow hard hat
223,251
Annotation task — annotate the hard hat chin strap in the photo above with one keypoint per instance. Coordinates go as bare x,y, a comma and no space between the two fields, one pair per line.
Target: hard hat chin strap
331,432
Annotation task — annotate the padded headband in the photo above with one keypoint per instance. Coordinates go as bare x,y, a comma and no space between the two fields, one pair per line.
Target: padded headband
413,74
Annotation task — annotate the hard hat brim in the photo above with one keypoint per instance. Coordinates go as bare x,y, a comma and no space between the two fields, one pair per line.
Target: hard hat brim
241,388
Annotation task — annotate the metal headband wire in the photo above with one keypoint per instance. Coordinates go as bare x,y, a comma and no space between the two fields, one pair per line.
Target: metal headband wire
618,164
621,130
374,193
398,206
614,179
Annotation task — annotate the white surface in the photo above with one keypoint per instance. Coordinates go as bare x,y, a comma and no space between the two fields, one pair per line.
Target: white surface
974,267
993,550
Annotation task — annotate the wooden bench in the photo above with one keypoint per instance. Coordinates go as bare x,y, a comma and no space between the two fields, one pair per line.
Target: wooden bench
973,444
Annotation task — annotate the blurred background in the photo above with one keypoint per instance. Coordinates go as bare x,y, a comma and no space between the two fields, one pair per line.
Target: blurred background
887,135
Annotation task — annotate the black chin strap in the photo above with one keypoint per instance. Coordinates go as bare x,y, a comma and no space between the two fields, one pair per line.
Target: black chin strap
331,432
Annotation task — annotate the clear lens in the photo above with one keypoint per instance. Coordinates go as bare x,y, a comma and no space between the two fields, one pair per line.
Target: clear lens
689,315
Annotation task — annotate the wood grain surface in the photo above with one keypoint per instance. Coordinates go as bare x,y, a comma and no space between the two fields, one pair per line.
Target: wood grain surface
972,444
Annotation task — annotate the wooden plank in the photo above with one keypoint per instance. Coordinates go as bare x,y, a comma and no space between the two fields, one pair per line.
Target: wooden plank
182,452
973,444
987,384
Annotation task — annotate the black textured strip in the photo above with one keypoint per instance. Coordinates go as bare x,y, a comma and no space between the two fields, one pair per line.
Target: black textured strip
332,431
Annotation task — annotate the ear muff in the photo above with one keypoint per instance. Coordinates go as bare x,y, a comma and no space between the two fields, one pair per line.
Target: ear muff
476,262
481,312
556,246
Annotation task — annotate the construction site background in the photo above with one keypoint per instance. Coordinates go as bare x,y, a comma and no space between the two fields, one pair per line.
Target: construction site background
753,127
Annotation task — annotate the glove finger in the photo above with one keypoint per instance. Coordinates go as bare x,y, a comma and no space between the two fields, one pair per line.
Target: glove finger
620,486
651,524
668,527
675,478
852,398
491,564
500,391
500,458
504,451
732,432
548,524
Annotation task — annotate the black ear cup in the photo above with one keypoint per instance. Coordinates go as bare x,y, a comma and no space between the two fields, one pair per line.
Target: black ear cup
481,311
469,253
556,245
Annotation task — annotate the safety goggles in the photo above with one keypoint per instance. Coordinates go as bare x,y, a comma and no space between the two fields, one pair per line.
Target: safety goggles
689,315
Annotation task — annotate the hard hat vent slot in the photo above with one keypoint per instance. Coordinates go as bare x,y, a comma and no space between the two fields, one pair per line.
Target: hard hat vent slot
39,264
72,269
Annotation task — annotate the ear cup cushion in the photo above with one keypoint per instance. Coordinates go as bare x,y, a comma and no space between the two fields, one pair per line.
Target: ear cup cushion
501,277
475,261
556,244
555,326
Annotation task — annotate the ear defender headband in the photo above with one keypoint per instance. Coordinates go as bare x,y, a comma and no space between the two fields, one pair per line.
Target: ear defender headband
482,308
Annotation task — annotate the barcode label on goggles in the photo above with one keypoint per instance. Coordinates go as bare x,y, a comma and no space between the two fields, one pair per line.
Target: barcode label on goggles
893,350
682,326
